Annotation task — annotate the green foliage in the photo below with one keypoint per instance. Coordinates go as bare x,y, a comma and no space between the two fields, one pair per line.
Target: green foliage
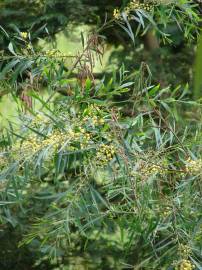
79,174
110,170
160,16
171,22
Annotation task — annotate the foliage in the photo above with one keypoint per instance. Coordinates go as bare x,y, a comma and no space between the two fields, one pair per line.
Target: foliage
83,175
22,58
58,13
112,165
160,15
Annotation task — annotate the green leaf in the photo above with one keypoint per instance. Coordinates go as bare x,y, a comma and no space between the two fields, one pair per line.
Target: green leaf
11,49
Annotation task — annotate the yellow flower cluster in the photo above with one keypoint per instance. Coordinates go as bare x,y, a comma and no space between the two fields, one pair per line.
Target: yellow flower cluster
193,166
58,138
184,250
97,121
186,265
147,170
29,146
117,14
92,113
133,6
29,47
143,170
166,212
24,35
85,138
105,154
39,119
55,53
33,144
54,140
153,169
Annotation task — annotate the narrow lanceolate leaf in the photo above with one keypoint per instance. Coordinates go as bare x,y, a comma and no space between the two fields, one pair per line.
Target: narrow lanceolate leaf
11,49
9,67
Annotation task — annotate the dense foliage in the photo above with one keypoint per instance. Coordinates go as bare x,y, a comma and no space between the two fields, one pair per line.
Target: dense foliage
175,23
108,174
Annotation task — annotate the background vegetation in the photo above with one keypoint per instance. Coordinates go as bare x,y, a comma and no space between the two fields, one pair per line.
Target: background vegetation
101,167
